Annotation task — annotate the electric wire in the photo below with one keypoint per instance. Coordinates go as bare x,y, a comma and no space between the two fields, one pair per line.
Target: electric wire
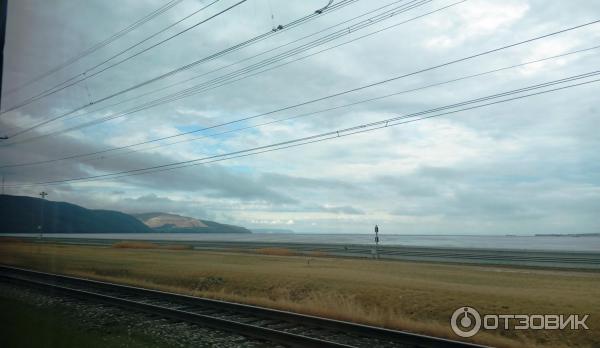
234,76
85,75
395,78
61,86
226,66
98,45
255,39
281,145
102,152
362,128
312,113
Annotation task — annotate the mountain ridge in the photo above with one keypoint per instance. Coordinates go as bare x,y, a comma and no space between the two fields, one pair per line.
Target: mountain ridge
24,214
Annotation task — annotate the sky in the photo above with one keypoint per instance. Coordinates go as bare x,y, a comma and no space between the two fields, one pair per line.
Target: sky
526,166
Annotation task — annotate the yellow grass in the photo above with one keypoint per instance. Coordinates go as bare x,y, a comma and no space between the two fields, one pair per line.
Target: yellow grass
148,245
276,251
417,297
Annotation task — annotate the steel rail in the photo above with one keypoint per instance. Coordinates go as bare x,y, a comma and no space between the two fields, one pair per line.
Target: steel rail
60,283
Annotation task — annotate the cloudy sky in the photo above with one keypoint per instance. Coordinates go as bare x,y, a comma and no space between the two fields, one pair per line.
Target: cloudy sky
526,166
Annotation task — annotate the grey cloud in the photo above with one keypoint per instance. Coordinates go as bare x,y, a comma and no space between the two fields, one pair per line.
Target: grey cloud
408,185
551,174
212,180
343,210
287,181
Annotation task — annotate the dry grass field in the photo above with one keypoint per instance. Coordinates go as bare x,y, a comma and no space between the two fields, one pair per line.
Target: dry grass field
418,297
148,245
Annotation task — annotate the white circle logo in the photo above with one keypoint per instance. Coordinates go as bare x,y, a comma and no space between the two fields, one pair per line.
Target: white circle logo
465,321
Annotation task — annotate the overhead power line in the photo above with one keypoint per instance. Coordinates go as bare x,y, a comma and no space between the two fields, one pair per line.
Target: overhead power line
98,45
103,152
222,67
74,111
86,75
235,76
312,113
395,78
231,49
362,128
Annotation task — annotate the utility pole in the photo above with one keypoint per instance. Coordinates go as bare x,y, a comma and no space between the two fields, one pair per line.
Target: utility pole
41,226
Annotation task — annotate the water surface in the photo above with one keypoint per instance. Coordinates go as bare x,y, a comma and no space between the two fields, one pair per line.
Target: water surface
553,243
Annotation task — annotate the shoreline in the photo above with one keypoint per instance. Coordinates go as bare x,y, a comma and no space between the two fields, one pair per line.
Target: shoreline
567,243
577,260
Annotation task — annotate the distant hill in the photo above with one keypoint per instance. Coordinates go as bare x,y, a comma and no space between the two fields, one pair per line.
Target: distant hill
20,214
172,223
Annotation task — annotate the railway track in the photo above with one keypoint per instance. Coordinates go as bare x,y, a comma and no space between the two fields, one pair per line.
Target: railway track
281,327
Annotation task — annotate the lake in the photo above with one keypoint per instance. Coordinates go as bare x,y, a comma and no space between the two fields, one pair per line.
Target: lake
554,243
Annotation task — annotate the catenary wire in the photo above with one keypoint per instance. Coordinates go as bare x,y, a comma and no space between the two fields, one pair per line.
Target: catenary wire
186,67
225,66
61,86
353,89
98,45
215,83
101,152
371,126
85,75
